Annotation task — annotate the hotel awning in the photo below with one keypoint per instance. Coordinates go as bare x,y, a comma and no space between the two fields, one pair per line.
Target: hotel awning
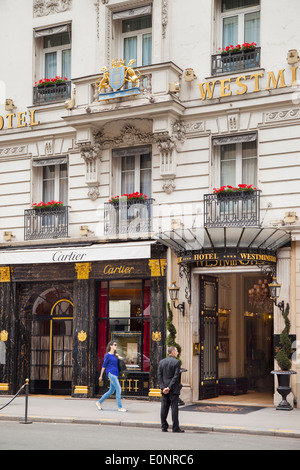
229,242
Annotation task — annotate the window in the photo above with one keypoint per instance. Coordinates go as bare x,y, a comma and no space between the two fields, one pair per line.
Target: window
240,22
133,35
132,170
53,52
57,55
51,180
124,316
137,40
237,163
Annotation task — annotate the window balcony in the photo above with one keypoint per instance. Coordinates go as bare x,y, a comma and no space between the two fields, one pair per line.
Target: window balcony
235,61
46,223
51,93
128,217
232,209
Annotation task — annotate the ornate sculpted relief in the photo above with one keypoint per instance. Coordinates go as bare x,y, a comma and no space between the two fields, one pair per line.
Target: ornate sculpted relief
164,14
48,7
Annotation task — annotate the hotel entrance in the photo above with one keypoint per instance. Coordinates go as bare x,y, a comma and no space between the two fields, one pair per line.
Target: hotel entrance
236,336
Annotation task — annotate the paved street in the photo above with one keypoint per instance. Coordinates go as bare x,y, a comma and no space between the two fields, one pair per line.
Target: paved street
50,436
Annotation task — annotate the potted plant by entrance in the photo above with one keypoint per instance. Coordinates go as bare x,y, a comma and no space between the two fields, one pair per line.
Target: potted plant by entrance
283,359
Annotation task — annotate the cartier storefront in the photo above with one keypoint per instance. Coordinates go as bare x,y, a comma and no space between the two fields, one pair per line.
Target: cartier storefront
61,306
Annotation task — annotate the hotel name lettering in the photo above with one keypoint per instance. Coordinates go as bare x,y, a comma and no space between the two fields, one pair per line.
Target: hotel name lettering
18,120
245,83
204,260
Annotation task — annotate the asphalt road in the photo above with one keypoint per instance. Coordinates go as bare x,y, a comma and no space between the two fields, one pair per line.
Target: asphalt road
110,439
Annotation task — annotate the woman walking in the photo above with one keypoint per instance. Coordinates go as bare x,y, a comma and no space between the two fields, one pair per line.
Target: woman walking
110,365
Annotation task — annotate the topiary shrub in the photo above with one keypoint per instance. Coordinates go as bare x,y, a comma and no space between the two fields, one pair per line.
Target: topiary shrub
172,331
285,351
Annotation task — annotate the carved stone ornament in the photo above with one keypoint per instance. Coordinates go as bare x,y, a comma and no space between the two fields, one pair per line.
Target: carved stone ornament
91,154
48,7
169,186
83,270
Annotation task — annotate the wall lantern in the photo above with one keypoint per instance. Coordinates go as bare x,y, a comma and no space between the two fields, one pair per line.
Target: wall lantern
274,293
174,291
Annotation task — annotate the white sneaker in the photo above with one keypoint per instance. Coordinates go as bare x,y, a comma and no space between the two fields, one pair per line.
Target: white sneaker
122,409
98,406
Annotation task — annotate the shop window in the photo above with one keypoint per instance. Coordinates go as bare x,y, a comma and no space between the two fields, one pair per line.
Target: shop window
124,316
134,34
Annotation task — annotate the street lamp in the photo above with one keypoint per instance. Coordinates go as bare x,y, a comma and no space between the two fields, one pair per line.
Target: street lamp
174,291
274,293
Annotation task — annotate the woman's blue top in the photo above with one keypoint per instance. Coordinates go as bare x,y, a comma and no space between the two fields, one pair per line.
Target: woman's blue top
110,364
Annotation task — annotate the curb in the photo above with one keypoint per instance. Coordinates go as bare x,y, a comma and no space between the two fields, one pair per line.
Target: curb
156,425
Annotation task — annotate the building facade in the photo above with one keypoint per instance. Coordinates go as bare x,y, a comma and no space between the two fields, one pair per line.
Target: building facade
128,116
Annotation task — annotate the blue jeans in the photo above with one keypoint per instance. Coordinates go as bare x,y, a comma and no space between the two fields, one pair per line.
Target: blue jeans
114,387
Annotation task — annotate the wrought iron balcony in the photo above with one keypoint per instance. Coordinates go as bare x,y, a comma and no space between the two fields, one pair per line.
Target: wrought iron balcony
128,217
51,93
46,223
232,209
235,61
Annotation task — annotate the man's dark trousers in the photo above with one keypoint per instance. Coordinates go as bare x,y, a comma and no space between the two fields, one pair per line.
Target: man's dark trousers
167,400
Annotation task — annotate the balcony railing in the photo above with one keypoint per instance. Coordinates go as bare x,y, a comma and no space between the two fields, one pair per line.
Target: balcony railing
51,93
232,209
46,223
235,61
128,217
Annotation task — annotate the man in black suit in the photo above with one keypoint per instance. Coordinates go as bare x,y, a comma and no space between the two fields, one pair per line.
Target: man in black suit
169,382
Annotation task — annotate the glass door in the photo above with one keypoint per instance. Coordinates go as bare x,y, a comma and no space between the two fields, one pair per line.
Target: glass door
208,386
52,346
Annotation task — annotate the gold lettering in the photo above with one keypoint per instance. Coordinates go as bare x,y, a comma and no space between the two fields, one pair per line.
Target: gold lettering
256,76
294,76
1,123
280,77
242,85
225,88
209,89
10,117
21,119
32,119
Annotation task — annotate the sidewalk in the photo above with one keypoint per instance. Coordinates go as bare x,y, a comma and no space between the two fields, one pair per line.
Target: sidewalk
142,413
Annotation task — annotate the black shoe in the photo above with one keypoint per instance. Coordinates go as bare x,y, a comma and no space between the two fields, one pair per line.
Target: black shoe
164,430
179,430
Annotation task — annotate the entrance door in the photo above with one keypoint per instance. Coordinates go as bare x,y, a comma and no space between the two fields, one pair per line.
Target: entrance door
52,349
208,386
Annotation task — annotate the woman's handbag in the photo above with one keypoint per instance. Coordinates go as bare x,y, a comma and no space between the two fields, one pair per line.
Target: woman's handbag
122,367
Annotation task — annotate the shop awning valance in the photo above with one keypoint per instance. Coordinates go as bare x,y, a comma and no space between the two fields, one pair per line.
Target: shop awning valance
132,12
234,139
40,33
81,254
226,241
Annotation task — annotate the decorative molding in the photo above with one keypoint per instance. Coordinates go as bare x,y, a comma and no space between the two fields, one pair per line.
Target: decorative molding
169,186
12,151
282,115
157,267
81,390
83,270
5,274
48,7
91,154
164,15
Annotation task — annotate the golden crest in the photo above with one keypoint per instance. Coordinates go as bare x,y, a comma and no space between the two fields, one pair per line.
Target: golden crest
82,336
3,336
118,75
156,336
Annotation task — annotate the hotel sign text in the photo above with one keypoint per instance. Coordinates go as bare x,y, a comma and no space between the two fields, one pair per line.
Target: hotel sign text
204,260
208,89
19,120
